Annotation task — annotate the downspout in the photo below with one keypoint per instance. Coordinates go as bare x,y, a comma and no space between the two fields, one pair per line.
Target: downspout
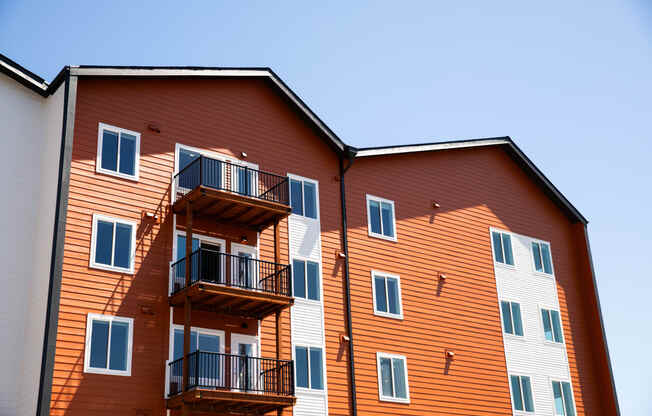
349,154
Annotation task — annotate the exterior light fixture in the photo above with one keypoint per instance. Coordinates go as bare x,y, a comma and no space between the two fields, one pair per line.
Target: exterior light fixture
243,154
435,204
244,239
450,354
341,255
442,276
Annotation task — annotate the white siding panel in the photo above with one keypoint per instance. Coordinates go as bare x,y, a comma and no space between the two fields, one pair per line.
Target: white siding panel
305,237
310,404
306,323
531,354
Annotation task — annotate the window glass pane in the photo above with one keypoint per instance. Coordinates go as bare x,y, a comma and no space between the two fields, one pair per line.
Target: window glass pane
388,219
527,394
507,317
399,378
556,326
178,344
313,280
392,295
122,250
568,399
104,242
516,393
547,326
545,254
516,317
386,377
537,257
301,355
310,198
316,369
498,247
109,150
185,157
209,343
99,343
374,216
296,197
127,154
193,341
559,401
381,298
507,245
119,346
299,283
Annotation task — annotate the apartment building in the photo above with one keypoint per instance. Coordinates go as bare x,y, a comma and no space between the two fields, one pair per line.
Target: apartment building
205,244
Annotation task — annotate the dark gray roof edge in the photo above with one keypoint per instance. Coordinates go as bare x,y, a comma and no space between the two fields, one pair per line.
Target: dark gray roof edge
505,141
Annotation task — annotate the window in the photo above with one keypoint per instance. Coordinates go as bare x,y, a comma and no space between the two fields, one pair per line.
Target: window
118,151
306,279
387,295
541,254
392,378
309,367
303,197
113,244
522,393
552,325
380,214
502,243
204,340
109,340
512,323
563,398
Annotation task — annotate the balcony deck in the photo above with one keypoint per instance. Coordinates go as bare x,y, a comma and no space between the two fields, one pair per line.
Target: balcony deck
231,194
226,402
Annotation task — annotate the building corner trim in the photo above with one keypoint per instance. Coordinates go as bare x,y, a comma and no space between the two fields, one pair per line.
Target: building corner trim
58,235
601,320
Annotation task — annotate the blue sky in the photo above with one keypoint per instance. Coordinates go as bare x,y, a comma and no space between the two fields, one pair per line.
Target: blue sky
570,83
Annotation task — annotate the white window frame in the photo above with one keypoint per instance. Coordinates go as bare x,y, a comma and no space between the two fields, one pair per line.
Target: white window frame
381,235
200,237
388,314
552,394
323,368
493,251
132,254
543,330
87,351
534,266
534,402
382,397
500,307
117,173
305,280
303,179
253,250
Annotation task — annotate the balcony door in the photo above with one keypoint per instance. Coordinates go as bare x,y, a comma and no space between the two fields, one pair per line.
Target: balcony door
211,173
244,268
208,264
244,179
245,371
205,369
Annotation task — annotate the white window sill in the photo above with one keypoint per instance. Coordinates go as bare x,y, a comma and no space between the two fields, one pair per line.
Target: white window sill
117,174
305,301
543,274
394,400
389,315
554,344
316,392
382,237
111,268
504,265
520,338
107,372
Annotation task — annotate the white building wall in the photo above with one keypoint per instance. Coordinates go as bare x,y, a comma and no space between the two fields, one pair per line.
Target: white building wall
307,317
30,129
531,355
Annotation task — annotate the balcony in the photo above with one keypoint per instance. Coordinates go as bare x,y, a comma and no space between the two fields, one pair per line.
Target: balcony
231,193
233,285
225,383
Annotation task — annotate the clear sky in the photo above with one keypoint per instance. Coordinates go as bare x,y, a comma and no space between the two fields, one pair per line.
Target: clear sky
570,82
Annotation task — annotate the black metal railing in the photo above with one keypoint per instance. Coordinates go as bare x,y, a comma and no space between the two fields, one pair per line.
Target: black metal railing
226,176
237,271
211,370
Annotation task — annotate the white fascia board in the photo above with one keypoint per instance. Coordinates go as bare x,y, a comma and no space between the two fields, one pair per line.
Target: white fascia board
41,85
429,147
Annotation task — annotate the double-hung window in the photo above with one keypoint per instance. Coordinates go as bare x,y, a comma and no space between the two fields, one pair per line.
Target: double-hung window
306,279
113,244
552,325
512,323
118,151
521,393
563,398
380,215
502,243
309,366
109,341
541,255
303,197
387,295
392,378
